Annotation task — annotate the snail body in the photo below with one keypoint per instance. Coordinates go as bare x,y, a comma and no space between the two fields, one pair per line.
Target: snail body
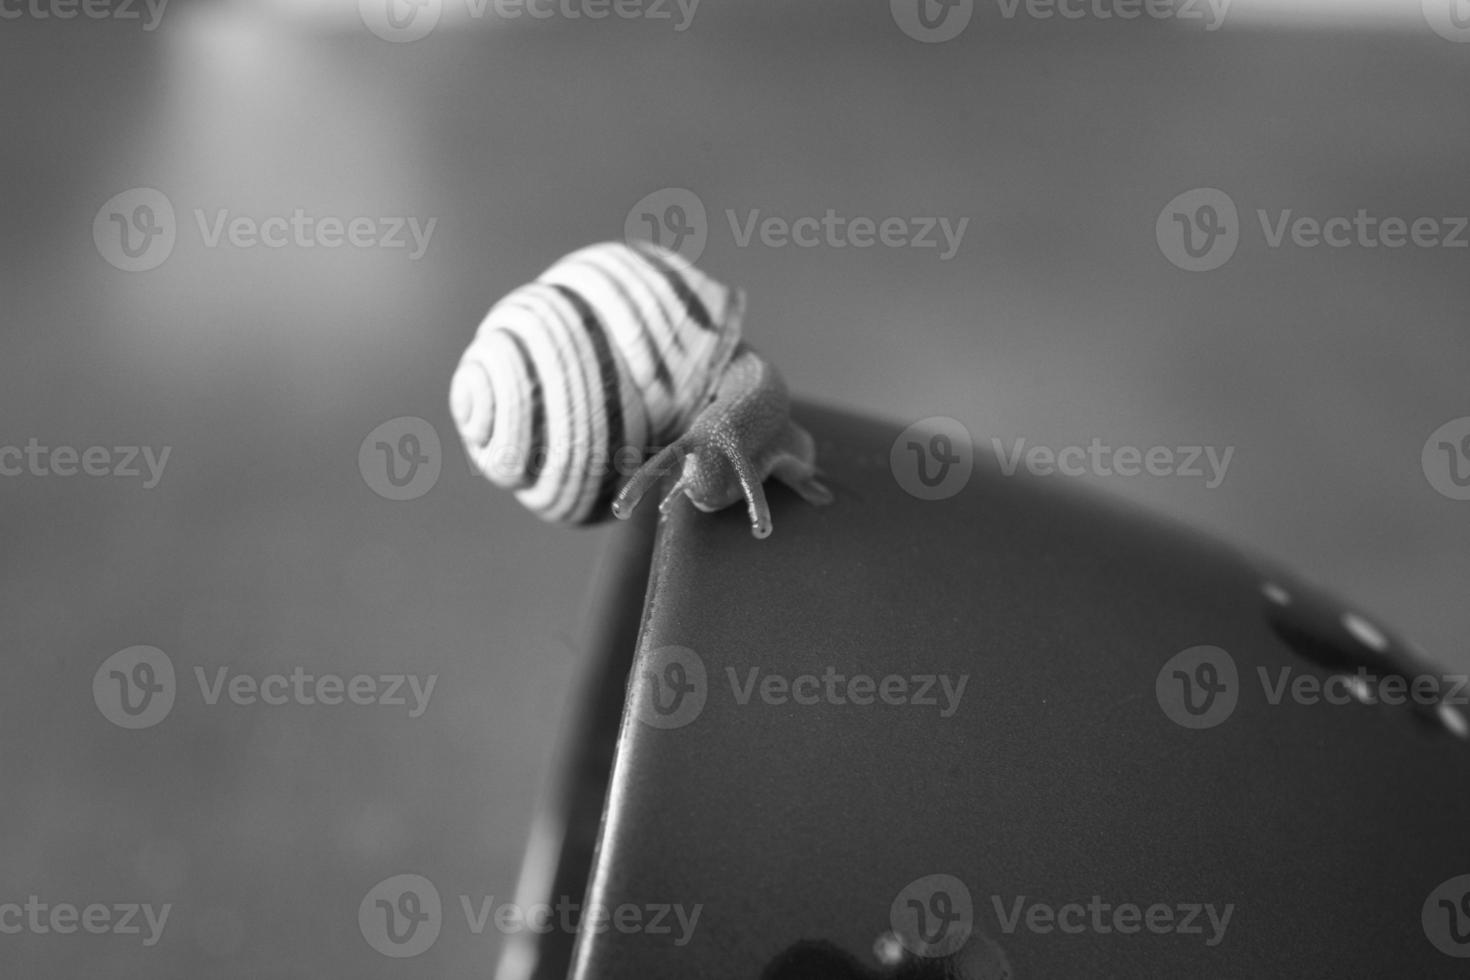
615,352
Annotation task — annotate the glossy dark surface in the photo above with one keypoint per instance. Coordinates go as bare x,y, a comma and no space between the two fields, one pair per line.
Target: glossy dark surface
1058,777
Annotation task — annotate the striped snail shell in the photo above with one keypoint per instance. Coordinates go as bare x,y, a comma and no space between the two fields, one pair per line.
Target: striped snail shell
615,348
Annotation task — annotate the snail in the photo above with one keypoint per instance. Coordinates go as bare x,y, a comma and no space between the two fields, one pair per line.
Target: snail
615,352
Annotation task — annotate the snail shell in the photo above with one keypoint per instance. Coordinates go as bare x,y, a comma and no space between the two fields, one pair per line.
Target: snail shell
609,354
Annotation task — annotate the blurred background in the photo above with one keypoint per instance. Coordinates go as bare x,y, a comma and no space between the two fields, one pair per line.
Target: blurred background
266,544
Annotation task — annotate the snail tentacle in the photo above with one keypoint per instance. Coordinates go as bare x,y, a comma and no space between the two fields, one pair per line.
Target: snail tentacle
801,476
677,490
755,493
793,462
647,475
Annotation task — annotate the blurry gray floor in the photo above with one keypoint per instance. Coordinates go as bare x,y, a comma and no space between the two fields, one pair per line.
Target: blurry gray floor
262,548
